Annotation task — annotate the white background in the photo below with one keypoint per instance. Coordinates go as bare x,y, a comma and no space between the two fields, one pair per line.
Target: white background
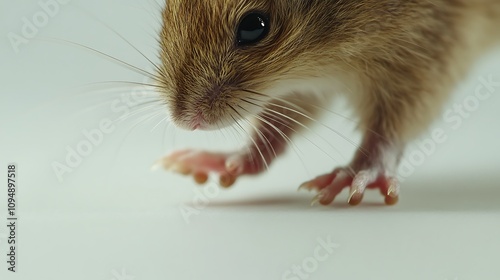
112,218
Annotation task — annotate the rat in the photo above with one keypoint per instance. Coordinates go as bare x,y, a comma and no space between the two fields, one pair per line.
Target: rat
275,64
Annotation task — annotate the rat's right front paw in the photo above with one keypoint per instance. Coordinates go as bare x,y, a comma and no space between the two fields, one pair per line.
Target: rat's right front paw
199,164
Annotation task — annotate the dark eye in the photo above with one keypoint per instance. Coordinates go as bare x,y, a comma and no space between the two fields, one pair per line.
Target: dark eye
252,29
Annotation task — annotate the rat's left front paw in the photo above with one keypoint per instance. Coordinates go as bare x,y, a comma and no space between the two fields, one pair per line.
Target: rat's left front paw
330,185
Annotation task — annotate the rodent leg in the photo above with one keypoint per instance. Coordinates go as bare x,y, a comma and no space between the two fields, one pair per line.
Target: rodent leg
229,166
374,166
272,131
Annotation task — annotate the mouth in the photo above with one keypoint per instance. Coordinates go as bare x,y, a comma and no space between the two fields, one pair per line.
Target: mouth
198,122
207,117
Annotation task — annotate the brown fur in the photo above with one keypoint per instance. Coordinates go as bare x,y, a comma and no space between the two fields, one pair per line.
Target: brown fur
407,55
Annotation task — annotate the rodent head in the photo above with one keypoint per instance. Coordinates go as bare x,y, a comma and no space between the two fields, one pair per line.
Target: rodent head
219,56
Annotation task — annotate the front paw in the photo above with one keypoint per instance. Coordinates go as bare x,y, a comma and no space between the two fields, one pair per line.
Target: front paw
199,164
330,185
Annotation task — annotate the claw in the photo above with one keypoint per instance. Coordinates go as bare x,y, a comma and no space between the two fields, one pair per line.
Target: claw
227,181
389,200
308,186
393,190
201,178
355,197
358,186
234,165
330,185
156,166
316,200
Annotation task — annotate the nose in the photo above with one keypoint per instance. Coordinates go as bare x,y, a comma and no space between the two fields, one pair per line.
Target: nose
198,122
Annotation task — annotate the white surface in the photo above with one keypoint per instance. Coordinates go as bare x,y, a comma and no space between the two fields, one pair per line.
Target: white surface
113,217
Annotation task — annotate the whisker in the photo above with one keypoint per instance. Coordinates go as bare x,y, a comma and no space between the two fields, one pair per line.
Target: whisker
235,129
285,137
272,113
320,108
155,115
136,112
134,126
310,130
275,118
173,137
91,108
125,83
260,134
282,122
362,150
251,139
121,37
164,135
75,115
297,122
162,120
105,94
316,121
153,101
136,69
264,121
248,148
238,135
149,115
